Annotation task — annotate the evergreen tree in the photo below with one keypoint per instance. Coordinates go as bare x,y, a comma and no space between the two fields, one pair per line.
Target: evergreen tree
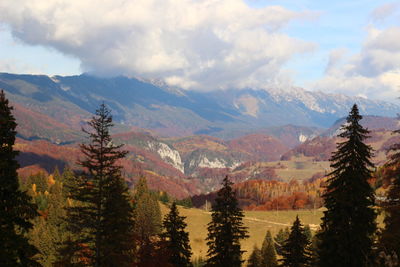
16,208
348,224
176,238
307,231
255,259
295,249
314,250
280,239
118,225
390,236
268,253
100,217
225,229
147,218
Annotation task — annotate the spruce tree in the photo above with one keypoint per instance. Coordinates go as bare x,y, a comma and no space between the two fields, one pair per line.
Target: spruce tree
255,259
268,253
390,236
100,216
295,251
314,250
280,239
118,232
176,238
16,208
226,229
348,224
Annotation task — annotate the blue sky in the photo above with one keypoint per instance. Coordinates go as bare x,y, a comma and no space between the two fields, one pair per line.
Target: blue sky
19,57
340,24
296,41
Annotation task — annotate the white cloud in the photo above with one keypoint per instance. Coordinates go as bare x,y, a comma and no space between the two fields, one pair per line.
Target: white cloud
190,43
16,66
373,72
381,13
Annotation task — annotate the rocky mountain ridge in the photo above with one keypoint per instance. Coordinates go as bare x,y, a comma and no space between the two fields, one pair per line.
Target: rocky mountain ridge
183,141
225,114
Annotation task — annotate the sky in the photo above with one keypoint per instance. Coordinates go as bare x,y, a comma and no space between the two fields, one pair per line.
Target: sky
350,47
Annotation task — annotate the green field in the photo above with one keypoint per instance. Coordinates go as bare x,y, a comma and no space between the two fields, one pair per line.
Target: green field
258,222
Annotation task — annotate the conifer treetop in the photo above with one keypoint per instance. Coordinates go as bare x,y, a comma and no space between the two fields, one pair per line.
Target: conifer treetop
226,229
352,150
101,154
349,223
176,238
295,249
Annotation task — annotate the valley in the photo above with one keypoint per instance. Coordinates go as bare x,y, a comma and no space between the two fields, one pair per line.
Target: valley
189,161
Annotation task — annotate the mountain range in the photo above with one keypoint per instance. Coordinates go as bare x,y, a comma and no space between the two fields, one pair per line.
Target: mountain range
185,142
166,111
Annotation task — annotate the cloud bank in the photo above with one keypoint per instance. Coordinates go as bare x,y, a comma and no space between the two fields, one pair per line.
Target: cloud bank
208,44
374,72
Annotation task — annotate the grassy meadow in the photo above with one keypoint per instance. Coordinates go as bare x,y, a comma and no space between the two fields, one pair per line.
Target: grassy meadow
258,223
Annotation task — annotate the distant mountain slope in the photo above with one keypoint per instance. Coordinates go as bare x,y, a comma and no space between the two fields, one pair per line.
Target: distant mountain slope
173,112
292,135
321,148
370,122
259,147
41,155
34,125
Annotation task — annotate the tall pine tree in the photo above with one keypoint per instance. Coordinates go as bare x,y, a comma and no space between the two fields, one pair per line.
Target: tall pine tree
100,217
295,250
348,224
226,229
16,208
118,223
280,239
268,252
255,259
176,238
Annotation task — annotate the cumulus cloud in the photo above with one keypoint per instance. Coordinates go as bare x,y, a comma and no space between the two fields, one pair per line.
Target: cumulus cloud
204,44
375,70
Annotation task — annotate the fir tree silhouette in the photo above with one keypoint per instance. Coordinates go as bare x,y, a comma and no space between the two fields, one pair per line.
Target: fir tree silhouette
226,229
348,224
295,250
176,238
100,218
16,208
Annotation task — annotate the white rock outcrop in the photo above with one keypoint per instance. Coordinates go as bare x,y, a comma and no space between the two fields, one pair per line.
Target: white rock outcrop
204,162
168,155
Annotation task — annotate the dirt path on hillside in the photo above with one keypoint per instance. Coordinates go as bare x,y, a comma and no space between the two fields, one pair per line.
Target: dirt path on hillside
313,227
